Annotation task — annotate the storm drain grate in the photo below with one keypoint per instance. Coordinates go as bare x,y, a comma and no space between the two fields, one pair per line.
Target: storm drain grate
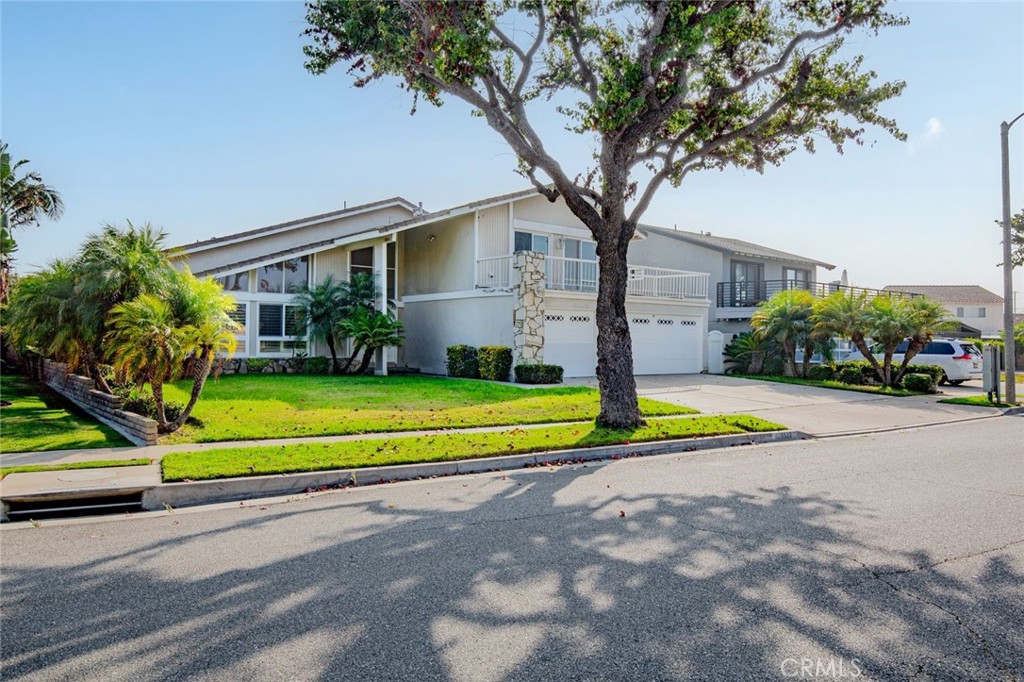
51,508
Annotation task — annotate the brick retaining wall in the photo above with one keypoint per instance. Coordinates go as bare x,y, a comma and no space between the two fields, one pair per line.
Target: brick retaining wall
106,408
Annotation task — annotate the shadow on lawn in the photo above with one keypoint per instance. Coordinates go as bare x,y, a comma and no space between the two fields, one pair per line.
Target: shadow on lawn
527,576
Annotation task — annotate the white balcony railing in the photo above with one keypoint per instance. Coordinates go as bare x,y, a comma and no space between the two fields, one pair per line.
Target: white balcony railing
494,272
576,274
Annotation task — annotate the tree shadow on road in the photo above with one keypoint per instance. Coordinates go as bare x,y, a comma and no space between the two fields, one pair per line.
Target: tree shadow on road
534,575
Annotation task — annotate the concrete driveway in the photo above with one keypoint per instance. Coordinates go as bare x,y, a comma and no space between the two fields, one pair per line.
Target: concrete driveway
816,411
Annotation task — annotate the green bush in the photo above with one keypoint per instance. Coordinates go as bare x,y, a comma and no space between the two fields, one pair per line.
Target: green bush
919,382
495,362
865,368
316,365
934,371
463,362
851,375
256,365
143,404
821,373
539,374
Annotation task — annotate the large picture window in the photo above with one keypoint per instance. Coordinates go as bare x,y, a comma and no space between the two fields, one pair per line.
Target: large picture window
240,316
284,277
236,282
279,329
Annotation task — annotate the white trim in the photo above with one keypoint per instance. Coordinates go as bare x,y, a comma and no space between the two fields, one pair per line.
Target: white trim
295,226
476,236
565,230
653,300
453,295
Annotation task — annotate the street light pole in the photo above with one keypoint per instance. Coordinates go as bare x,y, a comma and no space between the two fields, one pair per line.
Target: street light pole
1010,353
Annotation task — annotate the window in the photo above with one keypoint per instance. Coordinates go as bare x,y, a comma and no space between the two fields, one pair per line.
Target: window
360,261
981,312
960,312
392,284
795,278
747,284
939,348
236,282
527,241
578,276
971,312
239,316
279,329
284,277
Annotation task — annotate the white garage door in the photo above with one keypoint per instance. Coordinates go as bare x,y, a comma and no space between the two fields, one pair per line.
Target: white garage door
662,344
570,340
666,344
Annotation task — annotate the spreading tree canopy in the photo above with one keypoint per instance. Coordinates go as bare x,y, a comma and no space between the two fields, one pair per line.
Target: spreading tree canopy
661,88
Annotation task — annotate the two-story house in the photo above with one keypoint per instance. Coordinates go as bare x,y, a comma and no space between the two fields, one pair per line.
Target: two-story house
977,308
514,270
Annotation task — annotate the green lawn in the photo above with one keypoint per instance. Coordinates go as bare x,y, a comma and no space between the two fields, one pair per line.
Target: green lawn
39,419
838,385
976,400
98,464
254,461
261,406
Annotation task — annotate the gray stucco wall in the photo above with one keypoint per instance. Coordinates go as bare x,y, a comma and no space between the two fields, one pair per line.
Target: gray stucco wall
432,326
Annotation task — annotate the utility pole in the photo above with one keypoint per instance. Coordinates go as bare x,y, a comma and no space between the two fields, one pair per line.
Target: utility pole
1008,341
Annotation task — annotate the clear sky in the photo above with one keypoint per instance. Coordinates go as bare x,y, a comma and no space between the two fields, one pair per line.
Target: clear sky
199,118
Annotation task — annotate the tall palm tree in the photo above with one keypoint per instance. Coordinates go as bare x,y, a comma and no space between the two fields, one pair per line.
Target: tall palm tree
201,308
146,344
24,201
320,308
786,317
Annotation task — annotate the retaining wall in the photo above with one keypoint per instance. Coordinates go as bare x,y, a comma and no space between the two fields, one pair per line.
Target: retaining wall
106,408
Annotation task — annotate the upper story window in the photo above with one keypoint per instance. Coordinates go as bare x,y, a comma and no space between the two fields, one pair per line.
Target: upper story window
580,248
527,241
284,277
236,282
796,275
970,311
360,261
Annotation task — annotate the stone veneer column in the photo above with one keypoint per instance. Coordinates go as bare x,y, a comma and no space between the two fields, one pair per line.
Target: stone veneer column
528,311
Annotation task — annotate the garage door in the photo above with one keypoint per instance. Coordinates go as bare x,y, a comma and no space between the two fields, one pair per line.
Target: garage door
570,340
666,344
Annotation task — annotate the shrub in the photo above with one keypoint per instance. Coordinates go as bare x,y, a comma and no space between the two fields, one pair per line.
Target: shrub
463,362
919,382
316,365
539,374
934,371
256,365
495,362
851,375
863,366
821,373
143,404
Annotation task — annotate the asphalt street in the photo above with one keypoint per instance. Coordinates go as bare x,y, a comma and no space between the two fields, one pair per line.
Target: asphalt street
889,556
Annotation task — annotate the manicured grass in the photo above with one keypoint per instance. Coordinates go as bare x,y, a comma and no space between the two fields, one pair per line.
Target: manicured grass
262,406
39,419
255,461
838,385
976,400
99,464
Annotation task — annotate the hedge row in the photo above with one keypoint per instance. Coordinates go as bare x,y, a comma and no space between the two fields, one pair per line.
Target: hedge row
495,364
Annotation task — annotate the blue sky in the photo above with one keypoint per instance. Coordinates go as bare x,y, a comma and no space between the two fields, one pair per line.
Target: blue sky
199,118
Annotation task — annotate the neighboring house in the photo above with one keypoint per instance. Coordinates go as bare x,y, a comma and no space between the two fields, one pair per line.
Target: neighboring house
975,307
513,270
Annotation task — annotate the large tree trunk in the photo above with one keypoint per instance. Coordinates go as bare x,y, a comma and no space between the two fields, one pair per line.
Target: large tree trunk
913,348
365,364
858,340
158,397
620,407
887,367
756,365
201,365
789,349
806,364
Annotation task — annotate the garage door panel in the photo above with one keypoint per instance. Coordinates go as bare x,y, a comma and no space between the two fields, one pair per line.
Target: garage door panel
570,340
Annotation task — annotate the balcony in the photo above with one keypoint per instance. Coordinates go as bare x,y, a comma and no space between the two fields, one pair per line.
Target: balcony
575,274
737,300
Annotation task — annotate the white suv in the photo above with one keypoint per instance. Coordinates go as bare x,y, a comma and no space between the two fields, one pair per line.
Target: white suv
959,360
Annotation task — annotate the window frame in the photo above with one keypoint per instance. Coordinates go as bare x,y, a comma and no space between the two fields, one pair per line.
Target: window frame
280,339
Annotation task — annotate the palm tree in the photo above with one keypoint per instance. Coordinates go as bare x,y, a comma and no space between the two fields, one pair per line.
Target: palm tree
201,308
146,344
846,314
369,331
786,317
117,266
890,322
24,201
925,317
320,308
748,352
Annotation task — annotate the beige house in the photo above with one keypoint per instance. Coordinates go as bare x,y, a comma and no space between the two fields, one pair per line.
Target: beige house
514,270
972,305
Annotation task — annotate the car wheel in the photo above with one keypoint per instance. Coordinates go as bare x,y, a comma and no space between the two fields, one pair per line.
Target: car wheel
956,383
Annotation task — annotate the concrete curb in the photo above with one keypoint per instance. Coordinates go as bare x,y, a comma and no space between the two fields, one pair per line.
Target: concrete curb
234,489
1013,411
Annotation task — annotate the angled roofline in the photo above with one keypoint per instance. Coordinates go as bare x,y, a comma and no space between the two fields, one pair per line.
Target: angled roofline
929,289
202,245
692,238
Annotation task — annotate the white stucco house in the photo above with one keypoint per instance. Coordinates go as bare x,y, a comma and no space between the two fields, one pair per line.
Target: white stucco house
466,275
977,308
